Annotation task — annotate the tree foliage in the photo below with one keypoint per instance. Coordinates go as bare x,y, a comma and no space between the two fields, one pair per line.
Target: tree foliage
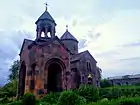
10,89
104,83
14,70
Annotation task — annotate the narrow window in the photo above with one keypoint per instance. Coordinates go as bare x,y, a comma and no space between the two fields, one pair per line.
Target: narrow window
88,67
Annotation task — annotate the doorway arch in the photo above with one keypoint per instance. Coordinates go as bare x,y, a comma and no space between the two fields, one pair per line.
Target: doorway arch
54,68
22,76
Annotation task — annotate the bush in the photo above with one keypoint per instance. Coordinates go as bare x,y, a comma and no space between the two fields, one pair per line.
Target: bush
129,101
70,98
28,99
105,83
16,103
119,91
90,93
119,101
5,100
51,98
80,100
115,93
10,89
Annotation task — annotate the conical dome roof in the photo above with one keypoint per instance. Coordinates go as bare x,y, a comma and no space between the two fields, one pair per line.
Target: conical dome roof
68,36
46,16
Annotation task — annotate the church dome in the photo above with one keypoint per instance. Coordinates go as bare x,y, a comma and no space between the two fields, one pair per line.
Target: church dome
68,36
46,16
70,42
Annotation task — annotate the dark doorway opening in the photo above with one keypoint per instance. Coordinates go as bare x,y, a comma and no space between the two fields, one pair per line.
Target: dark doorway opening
54,78
22,75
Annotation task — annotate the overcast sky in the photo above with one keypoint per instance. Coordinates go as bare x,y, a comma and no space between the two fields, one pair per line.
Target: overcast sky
109,29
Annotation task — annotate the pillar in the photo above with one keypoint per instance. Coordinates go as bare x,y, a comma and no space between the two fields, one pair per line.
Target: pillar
38,32
46,31
52,33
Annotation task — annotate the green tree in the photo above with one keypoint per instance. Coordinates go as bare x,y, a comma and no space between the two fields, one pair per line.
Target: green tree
14,70
9,89
104,83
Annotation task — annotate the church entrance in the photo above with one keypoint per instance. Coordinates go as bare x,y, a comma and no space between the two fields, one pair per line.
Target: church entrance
54,83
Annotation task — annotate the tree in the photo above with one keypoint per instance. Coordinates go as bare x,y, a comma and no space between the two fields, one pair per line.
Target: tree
104,83
14,70
9,89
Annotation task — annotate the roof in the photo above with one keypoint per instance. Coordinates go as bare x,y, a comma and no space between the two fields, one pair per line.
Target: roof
46,16
124,77
68,36
81,54
24,42
46,41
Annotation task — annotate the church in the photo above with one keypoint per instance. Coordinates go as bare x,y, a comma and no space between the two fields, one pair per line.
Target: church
52,64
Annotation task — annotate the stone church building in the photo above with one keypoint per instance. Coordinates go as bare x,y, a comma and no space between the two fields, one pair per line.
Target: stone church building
52,64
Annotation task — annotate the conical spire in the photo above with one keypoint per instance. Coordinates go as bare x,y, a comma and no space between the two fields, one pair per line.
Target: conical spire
67,35
46,15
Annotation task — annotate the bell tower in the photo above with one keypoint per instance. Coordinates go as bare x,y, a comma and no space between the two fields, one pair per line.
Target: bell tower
45,24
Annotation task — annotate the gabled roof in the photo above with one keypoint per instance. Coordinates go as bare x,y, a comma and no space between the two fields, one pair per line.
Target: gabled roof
81,54
68,36
24,42
87,52
46,16
46,41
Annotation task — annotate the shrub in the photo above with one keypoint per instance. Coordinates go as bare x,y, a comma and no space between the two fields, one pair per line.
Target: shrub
51,98
80,100
89,92
28,99
119,101
115,93
5,100
15,103
129,101
119,91
105,83
70,98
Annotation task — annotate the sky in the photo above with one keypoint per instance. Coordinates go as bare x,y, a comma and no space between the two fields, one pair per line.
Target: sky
109,29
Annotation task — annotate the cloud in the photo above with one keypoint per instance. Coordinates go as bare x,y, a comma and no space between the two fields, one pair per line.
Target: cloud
121,31
82,43
130,59
133,44
10,46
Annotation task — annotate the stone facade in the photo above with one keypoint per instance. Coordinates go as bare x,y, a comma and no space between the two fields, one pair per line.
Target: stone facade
54,64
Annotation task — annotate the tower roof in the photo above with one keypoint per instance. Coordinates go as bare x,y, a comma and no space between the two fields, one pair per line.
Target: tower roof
68,36
46,16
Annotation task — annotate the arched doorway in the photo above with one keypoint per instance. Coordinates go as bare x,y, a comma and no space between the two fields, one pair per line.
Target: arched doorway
54,78
22,75
54,68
